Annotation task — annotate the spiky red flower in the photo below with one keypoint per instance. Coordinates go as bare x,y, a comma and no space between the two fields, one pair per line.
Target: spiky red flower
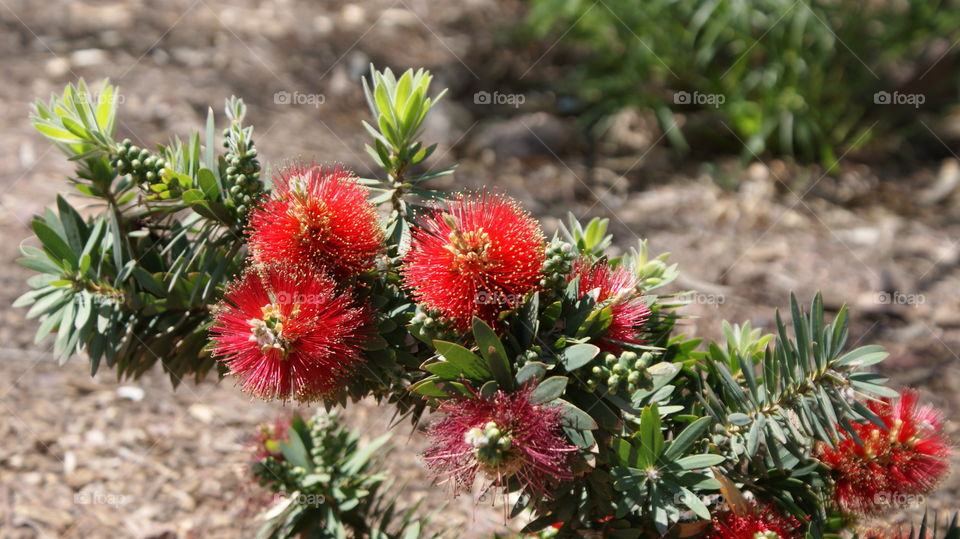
895,466
269,435
758,521
317,216
618,289
480,255
288,332
504,436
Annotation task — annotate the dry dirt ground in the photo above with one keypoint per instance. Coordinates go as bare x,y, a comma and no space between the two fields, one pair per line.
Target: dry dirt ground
81,458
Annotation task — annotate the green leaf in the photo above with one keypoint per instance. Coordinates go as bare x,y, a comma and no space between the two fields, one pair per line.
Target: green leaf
651,438
695,504
192,195
493,351
864,356
549,389
755,435
41,263
55,133
84,307
208,183
444,369
209,150
295,451
531,371
694,431
73,226
149,282
578,355
471,365
53,243
576,418
428,387
696,462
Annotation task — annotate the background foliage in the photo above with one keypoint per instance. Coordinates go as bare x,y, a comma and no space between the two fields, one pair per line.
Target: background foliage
796,77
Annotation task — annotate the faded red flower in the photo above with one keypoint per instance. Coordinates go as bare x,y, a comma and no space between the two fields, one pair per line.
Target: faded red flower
894,467
266,443
502,437
618,289
288,332
317,216
478,256
759,521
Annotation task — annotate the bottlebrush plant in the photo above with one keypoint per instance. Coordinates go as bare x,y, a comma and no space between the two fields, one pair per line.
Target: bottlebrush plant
558,382
325,483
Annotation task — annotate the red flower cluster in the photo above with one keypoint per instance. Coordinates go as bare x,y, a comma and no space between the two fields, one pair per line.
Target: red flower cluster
317,216
266,443
289,332
478,257
758,522
617,288
504,436
894,467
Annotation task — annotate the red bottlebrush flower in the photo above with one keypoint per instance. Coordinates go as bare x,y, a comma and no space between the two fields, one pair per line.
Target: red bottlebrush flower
617,288
894,467
266,441
317,216
880,533
288,332
478,256
759,521
502,437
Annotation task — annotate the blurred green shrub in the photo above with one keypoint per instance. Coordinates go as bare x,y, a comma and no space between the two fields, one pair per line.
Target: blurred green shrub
793,77
327,484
